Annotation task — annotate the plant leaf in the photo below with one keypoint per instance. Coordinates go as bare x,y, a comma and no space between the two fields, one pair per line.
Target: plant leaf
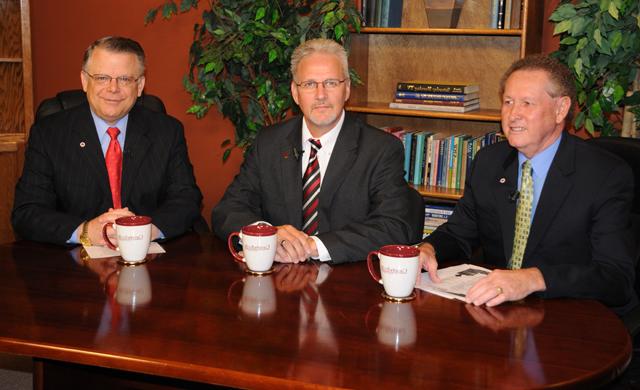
152,13
613,10
588,125
561,27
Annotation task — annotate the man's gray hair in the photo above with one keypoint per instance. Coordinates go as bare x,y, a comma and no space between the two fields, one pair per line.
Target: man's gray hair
320,45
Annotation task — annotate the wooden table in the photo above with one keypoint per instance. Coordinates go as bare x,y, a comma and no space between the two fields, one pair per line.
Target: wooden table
194,315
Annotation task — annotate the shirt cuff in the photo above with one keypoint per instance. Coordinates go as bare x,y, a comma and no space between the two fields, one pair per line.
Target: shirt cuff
323,253
75,236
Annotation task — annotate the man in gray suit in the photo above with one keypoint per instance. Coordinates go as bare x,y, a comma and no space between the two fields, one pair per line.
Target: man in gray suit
333,185
87,166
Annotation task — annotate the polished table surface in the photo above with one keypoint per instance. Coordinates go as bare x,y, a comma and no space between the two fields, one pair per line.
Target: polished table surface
193,314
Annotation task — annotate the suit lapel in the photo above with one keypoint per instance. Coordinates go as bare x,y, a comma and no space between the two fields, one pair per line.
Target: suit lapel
291,171
136,145
554,192
85,136
342,159
504,186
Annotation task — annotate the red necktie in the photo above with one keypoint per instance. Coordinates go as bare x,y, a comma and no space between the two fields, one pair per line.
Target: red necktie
113,159
311,190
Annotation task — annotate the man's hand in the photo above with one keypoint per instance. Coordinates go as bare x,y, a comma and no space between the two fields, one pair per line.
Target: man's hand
294,245
428,261
506,285
96,224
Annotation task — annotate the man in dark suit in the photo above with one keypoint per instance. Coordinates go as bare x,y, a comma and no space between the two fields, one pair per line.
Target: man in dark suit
87,166
332,185
578,243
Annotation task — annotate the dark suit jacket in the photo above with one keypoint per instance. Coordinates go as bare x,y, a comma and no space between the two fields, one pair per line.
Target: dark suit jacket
579,237
65,180
364,200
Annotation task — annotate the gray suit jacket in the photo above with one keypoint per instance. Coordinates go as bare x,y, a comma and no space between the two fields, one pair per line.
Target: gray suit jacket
65,180
364,200
579,238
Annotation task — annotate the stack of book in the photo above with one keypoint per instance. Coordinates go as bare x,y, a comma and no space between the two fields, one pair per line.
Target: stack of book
445,97
434,216
381,13
438,159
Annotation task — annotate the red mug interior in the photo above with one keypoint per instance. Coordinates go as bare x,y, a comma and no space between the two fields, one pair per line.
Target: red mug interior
134,220
399,251
259,230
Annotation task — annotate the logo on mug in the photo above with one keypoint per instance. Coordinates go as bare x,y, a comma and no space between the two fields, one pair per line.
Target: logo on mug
252,247
134,237
389,270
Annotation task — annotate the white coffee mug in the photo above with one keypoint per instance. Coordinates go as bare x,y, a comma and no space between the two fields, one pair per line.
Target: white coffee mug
134,286
399,267
133,234
397,325
258,246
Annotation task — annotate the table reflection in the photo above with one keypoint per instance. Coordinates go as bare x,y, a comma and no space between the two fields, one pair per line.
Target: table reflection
519,319
258,299
396,325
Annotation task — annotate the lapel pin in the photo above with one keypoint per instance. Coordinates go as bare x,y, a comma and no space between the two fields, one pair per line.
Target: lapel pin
502,180
82,144
285,155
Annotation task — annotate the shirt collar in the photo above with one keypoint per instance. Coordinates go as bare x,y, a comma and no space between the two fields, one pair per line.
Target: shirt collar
102,126
328,139
542,161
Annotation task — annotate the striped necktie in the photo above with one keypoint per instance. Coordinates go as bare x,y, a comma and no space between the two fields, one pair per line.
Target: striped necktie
523,217
311,191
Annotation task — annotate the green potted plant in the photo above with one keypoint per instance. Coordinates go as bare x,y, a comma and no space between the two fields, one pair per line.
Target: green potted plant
600,42
239,58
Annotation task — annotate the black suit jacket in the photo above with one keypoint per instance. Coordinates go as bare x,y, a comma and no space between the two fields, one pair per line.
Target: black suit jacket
364,200
579,238
65,182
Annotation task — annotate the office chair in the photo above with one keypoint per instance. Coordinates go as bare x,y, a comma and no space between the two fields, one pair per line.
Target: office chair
416,203
69,99
75,97
629,150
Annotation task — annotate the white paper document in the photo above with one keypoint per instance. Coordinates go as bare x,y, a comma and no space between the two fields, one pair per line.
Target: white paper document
455,281
98,252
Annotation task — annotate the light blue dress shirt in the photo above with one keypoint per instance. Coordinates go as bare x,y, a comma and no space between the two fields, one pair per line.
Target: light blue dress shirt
540,164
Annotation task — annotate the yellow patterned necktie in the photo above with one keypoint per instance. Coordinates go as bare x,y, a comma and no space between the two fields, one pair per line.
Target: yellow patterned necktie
523,216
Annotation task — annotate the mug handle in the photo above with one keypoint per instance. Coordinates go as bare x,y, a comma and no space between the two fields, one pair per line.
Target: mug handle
106,238
235,254
372,271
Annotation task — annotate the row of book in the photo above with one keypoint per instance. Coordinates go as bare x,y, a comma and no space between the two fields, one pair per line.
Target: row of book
438,159
381,13
506,14
443,97
434,216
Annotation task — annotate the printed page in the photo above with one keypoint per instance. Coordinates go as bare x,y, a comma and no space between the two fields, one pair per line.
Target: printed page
456,281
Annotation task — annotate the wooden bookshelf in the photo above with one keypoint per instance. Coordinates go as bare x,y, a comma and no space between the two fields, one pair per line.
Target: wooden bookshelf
16,101
472,53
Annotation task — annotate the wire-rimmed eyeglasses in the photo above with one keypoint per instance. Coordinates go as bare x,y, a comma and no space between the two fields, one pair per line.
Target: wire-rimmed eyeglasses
310,85
103,79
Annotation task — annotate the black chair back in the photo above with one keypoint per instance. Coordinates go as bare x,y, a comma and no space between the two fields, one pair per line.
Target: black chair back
75,97
629,150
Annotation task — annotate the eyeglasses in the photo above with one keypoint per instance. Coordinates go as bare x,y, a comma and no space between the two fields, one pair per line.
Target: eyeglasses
311,85
103,79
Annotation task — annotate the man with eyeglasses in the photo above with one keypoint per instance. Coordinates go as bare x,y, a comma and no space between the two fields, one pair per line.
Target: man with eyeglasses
333,185
108,158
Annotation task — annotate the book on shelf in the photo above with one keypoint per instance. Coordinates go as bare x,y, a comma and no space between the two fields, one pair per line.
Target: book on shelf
438,102
425,86
439,159
458,97
434,107
506,14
